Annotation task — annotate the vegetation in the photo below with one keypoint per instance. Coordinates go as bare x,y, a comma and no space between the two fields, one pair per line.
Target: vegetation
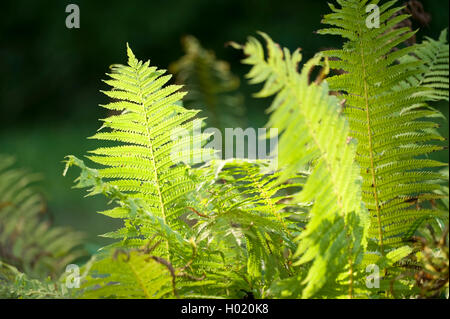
354,191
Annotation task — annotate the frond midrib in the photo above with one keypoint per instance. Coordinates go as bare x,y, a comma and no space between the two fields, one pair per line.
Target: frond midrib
369,132
152,156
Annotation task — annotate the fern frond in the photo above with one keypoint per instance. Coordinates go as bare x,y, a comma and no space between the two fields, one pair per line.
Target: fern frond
211,85
433,71
28,241
245,207
391,122
209,268
129,275
310,122
156,144
17,285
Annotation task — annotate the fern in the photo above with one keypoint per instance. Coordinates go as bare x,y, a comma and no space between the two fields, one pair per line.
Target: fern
144,164
353,187
27,239
202,262
432,277
17,285
139,173
210,84
432,72
243,206
128,275
392,126
335,233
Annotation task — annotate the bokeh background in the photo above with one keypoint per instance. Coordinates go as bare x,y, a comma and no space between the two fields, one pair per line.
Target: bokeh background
51,76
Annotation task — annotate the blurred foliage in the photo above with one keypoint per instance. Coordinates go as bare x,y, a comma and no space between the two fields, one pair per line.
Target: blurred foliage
433,256
17,285
210,85
27,239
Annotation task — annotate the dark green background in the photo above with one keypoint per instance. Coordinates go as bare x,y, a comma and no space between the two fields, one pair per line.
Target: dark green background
50,75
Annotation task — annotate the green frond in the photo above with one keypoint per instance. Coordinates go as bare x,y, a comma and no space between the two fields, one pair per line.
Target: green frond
433,71
155,145
206,272
384,90
353,188
244,206
310,123
28,241
132,275
17,285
